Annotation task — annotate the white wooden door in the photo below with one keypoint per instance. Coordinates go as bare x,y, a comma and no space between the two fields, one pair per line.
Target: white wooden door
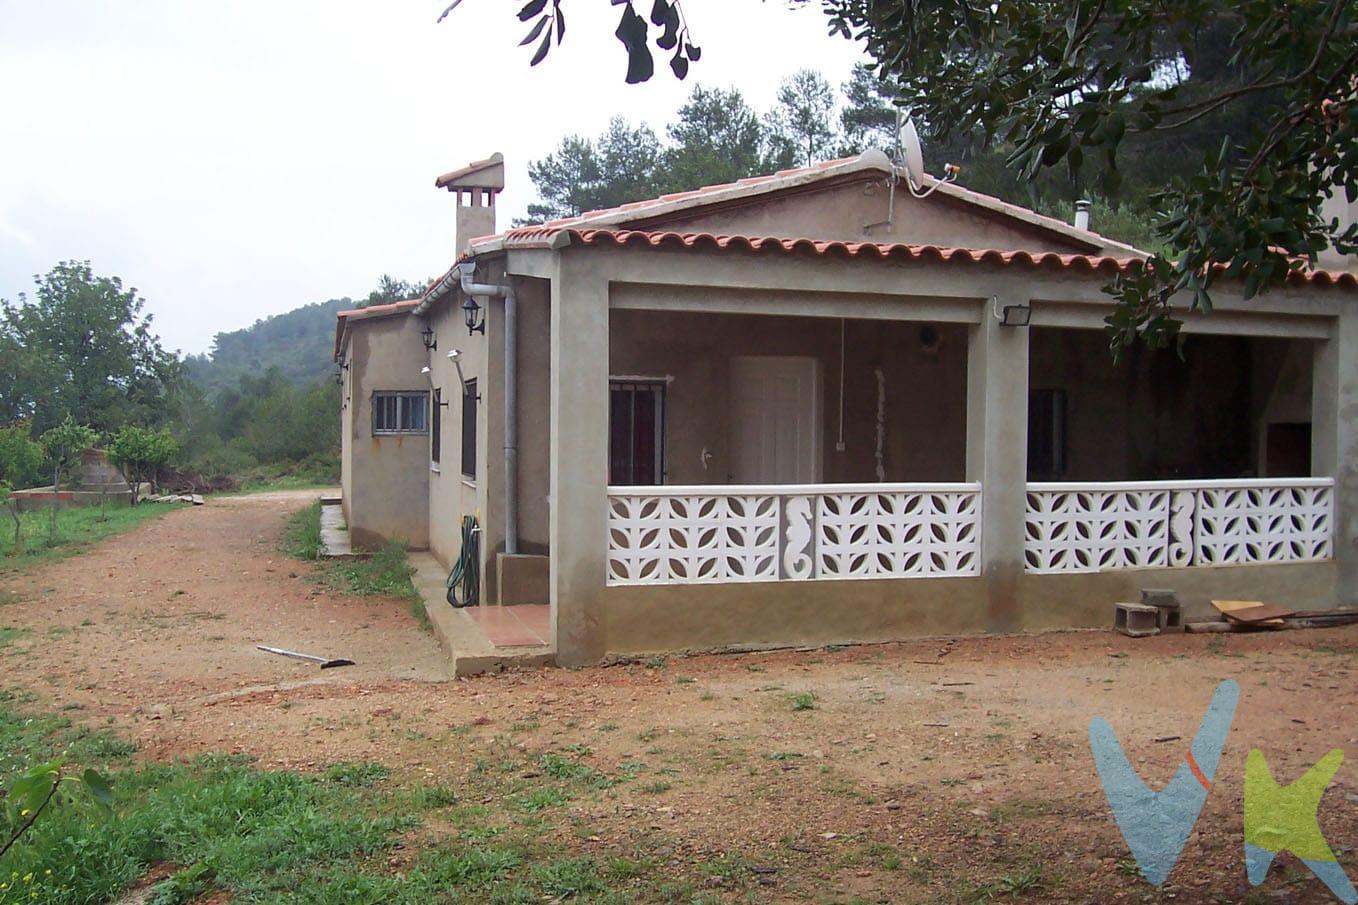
775,420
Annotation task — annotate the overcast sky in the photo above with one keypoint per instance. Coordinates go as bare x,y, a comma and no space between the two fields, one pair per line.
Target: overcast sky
236,160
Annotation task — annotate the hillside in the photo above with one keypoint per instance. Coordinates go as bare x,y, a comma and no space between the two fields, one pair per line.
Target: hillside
298,343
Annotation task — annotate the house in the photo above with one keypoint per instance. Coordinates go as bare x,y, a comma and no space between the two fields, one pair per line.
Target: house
814,407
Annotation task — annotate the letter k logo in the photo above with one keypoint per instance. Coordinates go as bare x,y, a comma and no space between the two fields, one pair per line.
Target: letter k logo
1156,825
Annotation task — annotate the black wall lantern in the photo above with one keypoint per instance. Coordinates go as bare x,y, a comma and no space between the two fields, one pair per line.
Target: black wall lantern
474,316
427,334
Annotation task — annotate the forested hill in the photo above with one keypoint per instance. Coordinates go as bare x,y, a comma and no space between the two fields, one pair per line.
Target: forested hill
299,344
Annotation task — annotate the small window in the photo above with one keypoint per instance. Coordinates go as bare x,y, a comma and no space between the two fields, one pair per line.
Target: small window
436,427
636,432
1046,435
469,400
400,413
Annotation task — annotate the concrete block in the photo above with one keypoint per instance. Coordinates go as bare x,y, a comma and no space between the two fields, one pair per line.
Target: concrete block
524,578
1169,615
1136,620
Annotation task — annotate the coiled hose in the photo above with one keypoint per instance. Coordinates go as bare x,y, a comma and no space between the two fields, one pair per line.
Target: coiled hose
467,570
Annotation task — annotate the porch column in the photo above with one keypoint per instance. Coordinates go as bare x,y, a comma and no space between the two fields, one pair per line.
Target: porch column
579,459
997,454
1334,440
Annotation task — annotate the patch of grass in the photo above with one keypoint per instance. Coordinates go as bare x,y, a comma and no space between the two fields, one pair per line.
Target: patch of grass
541,799
9,633
806,700
77,528
182,888
361,774
386,573
685,680
569,877
302,533
658,787
1013,885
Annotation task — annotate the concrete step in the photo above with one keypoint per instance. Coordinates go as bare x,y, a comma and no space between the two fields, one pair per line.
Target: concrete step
458,633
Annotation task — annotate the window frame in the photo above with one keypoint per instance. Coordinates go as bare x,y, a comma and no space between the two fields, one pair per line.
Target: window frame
436,425
470,413
401,400
659,388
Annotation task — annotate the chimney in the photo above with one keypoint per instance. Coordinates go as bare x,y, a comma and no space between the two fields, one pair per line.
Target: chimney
1082,214
476,186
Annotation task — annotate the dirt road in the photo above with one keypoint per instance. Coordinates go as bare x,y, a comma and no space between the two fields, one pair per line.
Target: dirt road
925,771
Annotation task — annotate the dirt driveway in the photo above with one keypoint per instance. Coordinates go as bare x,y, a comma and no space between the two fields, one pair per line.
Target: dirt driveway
924,771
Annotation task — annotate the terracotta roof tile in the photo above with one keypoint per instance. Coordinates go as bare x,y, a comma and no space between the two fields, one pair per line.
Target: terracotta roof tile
539,236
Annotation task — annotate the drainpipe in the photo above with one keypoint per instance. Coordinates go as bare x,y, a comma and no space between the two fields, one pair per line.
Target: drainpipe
467,273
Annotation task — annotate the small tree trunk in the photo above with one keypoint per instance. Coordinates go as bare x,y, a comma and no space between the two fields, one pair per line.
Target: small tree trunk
18,525
56,489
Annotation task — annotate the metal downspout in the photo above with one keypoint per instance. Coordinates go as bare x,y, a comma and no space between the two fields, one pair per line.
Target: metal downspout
467,273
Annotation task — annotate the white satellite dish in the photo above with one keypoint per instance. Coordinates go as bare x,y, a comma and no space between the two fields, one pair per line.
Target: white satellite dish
911,156
908,149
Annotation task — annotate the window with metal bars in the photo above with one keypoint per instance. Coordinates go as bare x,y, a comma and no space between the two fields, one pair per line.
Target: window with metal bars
636,432
400,413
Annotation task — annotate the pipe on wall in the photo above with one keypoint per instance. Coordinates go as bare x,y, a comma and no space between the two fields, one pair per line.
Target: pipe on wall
467,275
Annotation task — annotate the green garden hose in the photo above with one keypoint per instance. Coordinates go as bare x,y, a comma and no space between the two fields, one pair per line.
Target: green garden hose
467,570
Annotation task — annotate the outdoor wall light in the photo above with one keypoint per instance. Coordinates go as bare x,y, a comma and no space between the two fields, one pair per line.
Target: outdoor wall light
1011,315
427,334
340,368
474,316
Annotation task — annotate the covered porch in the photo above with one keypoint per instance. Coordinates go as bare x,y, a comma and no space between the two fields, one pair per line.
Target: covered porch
989,474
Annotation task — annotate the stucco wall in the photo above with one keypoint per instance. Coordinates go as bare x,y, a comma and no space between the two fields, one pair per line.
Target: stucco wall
925,392
843,211
672,617
452,494
388,490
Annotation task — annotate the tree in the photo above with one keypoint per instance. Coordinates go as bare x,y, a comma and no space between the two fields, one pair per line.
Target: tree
716,139
64,445
621,165
389,289
20,460
801,123
1074,82
140,454
868,119
84,349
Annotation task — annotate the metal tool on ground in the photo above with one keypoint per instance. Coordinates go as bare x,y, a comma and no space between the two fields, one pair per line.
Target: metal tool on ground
325,664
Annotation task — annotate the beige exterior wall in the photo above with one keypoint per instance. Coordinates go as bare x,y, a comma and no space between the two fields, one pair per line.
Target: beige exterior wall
387,485
856,211
453,494
676,617
925,391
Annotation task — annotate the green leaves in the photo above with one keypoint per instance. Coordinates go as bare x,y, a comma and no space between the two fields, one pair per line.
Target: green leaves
1088,83
38,788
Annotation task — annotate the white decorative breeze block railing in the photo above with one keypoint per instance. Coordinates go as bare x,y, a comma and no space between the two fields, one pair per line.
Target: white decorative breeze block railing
682,535
1159,524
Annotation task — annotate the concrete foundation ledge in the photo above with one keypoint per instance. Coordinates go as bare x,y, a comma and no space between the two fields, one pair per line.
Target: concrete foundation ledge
524,579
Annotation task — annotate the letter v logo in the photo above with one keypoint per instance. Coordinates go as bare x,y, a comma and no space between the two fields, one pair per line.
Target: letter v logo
1156,825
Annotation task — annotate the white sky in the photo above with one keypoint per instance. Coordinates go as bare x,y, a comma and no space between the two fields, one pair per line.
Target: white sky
236,160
